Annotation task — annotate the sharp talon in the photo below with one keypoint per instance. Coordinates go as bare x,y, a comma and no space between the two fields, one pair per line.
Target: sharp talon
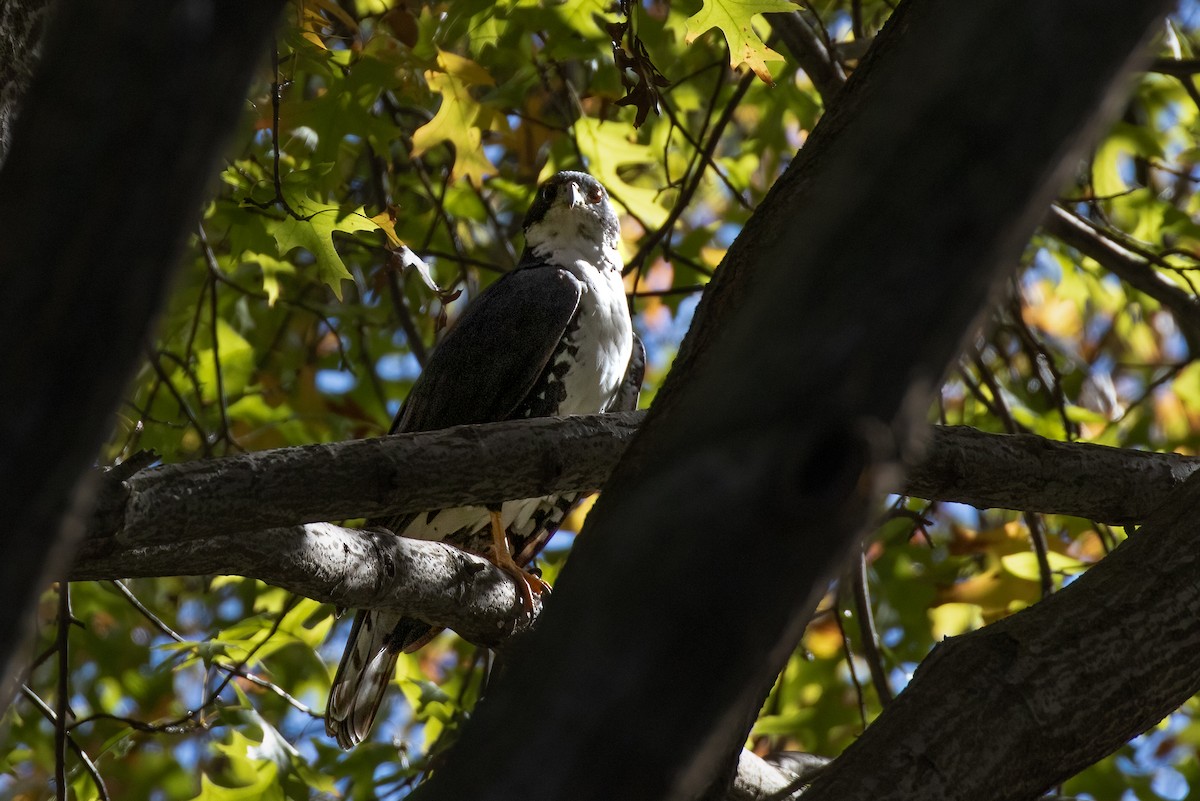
529,583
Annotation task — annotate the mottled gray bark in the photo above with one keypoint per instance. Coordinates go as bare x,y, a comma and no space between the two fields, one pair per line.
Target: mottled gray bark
353,568
814,349
117,140
371,478
199,518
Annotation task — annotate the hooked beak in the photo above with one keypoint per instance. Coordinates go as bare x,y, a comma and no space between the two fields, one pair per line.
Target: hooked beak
575,197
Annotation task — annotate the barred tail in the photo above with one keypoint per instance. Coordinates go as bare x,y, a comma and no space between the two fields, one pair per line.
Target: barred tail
367,667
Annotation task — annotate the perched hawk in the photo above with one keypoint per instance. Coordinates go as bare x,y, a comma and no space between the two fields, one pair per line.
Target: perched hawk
552,337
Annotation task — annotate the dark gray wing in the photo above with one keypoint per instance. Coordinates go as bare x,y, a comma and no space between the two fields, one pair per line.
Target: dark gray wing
491,358
631,385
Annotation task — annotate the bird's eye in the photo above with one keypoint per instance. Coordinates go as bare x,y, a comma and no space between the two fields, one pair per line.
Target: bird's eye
595,194
548,193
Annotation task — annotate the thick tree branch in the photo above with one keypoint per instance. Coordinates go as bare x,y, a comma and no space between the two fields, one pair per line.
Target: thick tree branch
810,52
1059,684
473,465
355,568
116,141
960,464
1033,474
365,478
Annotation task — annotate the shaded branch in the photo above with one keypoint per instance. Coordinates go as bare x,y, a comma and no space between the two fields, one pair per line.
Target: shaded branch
1050,689
1131,267
364,478
1030,473
473,465
810,52
1176,67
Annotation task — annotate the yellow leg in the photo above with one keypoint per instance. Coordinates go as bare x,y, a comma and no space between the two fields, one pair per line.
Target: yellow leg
527,583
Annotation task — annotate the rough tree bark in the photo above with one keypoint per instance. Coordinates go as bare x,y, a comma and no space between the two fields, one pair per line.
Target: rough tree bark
353,568
116,141
739,496
525,458
22,27
466,465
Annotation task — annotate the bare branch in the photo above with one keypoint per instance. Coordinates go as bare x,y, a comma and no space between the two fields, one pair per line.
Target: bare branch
1061,683
473,465
1030,473
348,567
367,478
1133,268
810,52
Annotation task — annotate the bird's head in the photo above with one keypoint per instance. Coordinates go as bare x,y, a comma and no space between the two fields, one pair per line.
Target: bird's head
571,210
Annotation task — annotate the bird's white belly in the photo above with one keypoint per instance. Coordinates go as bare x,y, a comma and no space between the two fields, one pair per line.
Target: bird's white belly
515,515
604,339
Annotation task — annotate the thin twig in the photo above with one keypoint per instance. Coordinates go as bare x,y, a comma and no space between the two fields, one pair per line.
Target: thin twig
214,318
416,345
152,356
858,690
1037,535
87,762
685,197
1035,349
866,627
62,699
162,626
276,86
702,152
238,668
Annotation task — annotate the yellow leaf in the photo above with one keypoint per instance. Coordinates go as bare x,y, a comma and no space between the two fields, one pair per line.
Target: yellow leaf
733,18
386,220
823,639
606,146
574,521
315,39
1025,565
271,268
334,10
457,119
952,619
464,69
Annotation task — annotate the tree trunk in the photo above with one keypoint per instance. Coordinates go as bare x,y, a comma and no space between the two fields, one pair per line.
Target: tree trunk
813,353
117,140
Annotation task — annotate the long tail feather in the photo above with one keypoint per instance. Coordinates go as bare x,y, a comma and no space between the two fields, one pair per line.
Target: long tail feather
367,667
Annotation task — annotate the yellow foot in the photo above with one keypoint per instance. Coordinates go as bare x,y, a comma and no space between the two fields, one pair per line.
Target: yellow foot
528,584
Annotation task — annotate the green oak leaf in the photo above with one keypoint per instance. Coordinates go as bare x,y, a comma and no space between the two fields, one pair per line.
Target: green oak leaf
733,18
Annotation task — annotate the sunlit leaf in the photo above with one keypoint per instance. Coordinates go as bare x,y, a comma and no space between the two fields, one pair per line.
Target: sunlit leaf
734,19
458,119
